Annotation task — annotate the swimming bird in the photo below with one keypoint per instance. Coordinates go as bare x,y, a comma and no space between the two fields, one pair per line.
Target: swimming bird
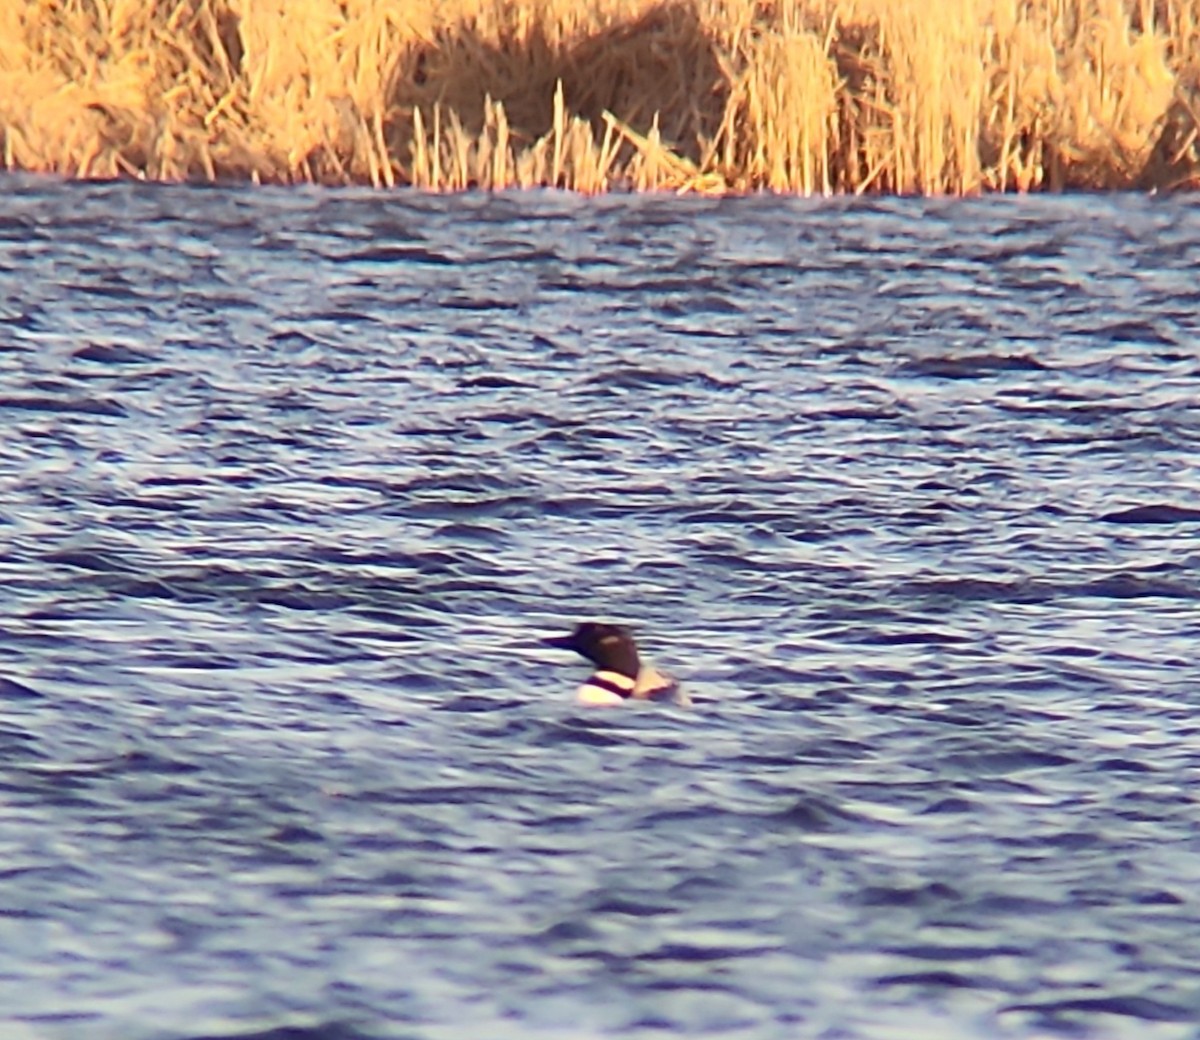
620,674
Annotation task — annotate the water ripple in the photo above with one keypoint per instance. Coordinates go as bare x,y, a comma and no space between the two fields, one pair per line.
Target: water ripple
295,483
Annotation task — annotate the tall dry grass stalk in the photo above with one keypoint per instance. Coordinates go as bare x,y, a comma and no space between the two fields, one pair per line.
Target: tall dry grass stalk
805,96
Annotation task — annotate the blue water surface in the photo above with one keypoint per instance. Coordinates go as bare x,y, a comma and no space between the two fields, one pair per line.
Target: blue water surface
293,483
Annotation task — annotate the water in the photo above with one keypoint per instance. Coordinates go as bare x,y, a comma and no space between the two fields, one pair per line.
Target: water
294,482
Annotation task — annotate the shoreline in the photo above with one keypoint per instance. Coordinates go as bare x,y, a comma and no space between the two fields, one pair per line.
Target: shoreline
707,96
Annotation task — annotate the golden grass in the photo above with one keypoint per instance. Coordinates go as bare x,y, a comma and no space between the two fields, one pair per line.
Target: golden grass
804,96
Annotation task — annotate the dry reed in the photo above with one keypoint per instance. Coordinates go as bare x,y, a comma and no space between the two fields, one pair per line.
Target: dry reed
804,96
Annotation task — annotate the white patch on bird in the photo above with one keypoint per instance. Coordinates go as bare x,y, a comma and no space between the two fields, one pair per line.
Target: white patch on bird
599,689
594,696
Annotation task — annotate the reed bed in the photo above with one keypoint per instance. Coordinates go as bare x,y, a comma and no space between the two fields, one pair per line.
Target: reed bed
798,96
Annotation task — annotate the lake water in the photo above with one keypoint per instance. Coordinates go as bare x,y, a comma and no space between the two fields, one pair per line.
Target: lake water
294,483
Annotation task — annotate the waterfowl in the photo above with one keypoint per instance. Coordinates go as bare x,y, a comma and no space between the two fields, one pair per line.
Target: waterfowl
620,674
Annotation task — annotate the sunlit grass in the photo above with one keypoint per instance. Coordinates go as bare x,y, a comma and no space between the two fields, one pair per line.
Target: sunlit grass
812,96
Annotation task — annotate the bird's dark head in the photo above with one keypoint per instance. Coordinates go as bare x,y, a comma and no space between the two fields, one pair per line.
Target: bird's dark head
609,647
